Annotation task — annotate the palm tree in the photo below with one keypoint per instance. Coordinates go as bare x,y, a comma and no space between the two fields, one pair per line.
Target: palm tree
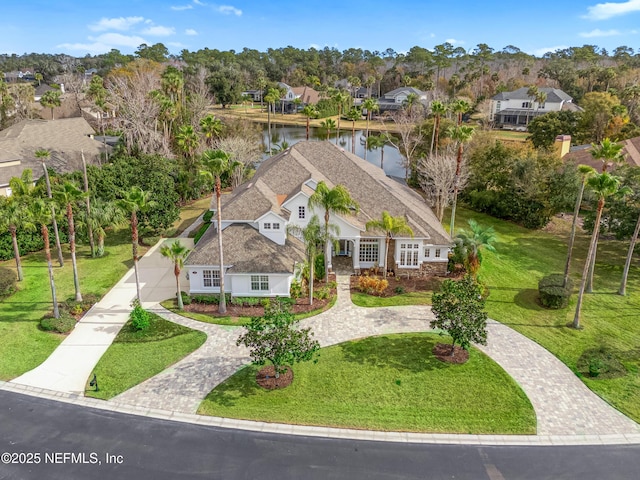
13,217
44,155
603,185
609,153
335,200
134,201
375,142
354,114
437,110
41,213
471,243
585,172
177,253
627,263
51,99
187,141
309,111
461,134
103,215
532,93
87,201
211,128
68,194
370,105
328,124
272,96
340,97
460,107
216,163
391,227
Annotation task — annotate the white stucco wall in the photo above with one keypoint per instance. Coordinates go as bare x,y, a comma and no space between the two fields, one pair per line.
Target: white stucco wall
279,285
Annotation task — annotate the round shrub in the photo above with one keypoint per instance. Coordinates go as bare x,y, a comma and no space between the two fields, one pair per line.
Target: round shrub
186,298
64,324
8,282
139,317
552,293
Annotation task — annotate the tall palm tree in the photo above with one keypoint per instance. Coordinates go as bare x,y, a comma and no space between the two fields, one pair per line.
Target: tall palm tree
340,98
87,201
354,114
459,107
104,214
411,101
272,96
461,134
134,201
391,227
375,142
370,105
328,124
14,216
51,99
471,243
309,111
177,253
335,200
216,163
211,128
187,141
45,155
68,194
607,152
41,213
532,93
437,110
603,185
585,172
627,263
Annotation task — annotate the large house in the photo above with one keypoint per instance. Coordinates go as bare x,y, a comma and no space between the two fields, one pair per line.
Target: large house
288,103
66,139
396,99
261,258
514,110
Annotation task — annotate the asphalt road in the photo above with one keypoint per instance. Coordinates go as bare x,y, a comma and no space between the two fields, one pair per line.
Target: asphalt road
51,440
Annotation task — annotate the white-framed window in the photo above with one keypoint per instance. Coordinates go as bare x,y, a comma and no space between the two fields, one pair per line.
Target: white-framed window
409,253
541,106
438,252
526,104
427,252
498,106
260,282
211,278
369,250
267,226
276,226
302,212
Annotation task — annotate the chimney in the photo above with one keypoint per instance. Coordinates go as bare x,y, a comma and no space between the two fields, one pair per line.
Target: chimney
562,145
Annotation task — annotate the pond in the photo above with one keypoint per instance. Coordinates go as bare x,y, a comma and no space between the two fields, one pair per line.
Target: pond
392,163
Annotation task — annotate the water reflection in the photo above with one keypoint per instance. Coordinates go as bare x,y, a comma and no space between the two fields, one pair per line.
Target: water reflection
283,136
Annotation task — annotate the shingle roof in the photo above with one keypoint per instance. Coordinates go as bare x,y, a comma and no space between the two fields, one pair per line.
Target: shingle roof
407,90
285,174
582,155
247,251
64,138
554,95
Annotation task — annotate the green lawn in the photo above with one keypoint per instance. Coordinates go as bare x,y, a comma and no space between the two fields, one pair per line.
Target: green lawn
384,383
411,298
23,346
512,273
188,215
136,356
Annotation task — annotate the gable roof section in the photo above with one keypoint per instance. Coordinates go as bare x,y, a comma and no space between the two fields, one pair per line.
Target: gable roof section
247,251
582,155
407,90
554,95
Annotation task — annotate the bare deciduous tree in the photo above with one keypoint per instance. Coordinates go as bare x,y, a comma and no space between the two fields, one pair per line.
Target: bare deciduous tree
437,175
407,137
199,99
240,149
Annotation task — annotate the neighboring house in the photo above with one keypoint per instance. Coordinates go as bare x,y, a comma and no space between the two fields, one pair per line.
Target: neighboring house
24,75
307,95
255,95
581,154
395,99
65,139
514,110
262,258
41,90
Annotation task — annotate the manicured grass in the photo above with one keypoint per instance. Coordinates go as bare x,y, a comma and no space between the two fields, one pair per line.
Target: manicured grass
411,298
136,356
23,346
390,383
189,214
523,257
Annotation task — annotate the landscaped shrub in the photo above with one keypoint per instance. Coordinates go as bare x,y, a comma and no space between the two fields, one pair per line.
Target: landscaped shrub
372,285
8,282
399,290
64,324
552,293
209,298
186,298
296,289
28,242
78,308
200,232
139,317
318,267
602,363
245,301
207,216
322,293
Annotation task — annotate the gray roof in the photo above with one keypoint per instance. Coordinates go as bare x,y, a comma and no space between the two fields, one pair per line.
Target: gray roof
64,138
554,95
406,90
247,251
283,176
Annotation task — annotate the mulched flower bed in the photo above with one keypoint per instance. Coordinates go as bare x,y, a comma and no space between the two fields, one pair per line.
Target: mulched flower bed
266,378
412,284
442,351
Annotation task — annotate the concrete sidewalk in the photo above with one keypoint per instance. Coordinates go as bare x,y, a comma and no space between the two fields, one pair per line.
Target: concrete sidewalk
69,366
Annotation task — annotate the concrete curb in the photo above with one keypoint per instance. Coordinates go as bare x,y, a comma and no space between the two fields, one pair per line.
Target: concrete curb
325,432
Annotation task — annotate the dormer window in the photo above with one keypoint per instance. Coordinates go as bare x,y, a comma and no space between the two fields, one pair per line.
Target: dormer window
267,226
276,226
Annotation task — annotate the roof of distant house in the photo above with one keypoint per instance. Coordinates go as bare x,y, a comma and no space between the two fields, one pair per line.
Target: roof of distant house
554,95
581,155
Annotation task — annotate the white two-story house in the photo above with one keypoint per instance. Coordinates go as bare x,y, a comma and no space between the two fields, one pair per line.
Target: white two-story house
261,257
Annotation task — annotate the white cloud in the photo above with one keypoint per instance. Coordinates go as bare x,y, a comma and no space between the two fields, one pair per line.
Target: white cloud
314,45
453,41
93,48
119,40
121,23
539,52
600,33
228,10
159,31
198,2
190,31
602,11
179,8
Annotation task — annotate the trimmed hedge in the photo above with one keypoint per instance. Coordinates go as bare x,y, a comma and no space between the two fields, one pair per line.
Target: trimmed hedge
29,242
209,298
207,216
553,294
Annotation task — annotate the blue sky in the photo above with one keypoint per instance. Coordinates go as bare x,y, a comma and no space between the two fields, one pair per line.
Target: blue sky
80,27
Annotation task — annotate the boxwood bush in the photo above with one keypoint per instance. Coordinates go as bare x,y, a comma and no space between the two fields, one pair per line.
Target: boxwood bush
552,293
